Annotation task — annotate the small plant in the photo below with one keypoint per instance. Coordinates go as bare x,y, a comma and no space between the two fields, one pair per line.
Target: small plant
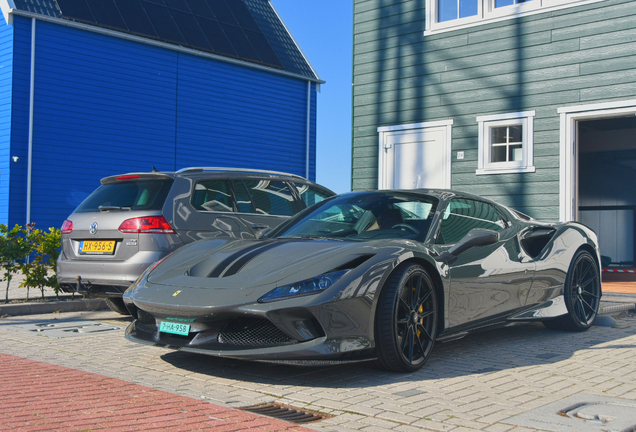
14,247
32,252
39,269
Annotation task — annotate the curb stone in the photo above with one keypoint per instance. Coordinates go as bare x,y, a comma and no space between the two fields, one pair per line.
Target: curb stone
52,307
609,307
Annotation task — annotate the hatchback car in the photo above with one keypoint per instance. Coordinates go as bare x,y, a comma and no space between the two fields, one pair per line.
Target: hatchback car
134,220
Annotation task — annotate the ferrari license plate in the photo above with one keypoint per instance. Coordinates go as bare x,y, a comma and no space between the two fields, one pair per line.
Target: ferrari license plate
97,247
174,328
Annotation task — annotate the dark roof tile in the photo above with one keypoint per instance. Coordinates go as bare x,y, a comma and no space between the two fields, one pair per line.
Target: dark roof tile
249,30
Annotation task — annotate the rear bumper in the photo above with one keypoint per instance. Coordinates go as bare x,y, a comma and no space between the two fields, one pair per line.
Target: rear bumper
103,278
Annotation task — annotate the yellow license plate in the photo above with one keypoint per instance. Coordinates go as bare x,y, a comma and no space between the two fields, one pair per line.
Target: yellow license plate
97,247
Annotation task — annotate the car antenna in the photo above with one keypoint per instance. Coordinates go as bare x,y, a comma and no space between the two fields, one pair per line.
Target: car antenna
154,169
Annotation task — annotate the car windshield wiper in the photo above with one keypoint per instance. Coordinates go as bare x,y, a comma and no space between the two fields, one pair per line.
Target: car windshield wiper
111,208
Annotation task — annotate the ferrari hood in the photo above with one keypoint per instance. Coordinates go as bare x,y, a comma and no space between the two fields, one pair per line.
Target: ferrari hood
243,264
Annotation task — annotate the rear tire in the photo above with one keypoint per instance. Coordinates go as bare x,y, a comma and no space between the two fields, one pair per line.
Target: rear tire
582,293
406,320
117,305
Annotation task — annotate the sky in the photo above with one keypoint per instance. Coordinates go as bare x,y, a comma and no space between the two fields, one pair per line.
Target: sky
324,31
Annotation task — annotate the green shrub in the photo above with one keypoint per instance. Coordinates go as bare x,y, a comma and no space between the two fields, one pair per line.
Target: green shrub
39,269
14,247
33,252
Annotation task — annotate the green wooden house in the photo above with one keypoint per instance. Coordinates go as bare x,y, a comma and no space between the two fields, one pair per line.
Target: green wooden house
530,103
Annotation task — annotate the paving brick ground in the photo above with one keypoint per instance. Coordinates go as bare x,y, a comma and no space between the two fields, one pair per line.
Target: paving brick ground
38,396
477,383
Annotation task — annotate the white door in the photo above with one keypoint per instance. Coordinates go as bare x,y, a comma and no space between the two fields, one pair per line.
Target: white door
416,158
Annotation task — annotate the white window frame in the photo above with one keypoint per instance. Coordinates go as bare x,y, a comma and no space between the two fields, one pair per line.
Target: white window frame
568,159
526,165
487,13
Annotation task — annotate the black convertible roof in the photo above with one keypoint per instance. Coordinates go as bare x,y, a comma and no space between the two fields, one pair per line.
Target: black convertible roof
248,30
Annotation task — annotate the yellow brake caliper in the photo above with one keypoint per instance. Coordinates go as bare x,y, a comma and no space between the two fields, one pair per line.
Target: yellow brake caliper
420,310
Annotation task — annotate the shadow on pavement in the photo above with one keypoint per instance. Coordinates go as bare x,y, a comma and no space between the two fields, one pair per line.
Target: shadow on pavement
521,346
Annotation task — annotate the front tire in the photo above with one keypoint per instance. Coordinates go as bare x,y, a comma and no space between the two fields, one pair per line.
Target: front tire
117,305
582,293
406,320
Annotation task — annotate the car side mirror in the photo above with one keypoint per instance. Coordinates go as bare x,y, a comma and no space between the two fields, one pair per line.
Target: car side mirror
475,237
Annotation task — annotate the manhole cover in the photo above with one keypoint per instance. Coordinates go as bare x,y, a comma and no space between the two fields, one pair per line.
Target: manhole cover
62,329
581,413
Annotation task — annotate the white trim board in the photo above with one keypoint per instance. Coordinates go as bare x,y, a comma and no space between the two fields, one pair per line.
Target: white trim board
507,116
486,168
415,125
494,18
568,156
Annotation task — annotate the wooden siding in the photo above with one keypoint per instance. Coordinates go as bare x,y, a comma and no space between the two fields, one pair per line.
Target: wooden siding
105,105
6,66
578,55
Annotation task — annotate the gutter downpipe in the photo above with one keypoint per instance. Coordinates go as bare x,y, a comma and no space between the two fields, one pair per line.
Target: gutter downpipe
308,128
31,99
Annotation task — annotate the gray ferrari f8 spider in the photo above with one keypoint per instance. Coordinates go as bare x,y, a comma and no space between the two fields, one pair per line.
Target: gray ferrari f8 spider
369,276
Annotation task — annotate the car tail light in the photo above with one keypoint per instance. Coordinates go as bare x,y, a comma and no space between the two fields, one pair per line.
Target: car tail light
146,225
67,227
128,177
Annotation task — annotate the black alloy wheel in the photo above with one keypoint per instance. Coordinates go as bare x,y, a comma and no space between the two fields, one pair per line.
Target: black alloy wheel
406,320
582,294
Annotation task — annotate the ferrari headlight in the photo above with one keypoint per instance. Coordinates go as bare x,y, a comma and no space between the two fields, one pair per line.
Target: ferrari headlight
309,286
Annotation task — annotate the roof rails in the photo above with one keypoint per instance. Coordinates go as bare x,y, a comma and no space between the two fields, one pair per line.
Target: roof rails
195,169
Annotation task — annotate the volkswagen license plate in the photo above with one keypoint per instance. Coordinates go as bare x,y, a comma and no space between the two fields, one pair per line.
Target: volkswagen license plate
174,328
97,247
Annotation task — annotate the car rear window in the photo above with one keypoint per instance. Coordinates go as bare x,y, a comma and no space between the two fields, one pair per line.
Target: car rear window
271,197
128,195
212,195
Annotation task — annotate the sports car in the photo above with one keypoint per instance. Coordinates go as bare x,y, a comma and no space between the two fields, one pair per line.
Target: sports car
378,275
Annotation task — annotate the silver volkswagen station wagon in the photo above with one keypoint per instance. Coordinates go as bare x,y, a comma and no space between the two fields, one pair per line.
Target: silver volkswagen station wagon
134,220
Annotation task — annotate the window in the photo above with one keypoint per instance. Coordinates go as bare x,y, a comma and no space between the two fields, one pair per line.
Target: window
310,194
366,217
454,9
212,195
243,200
271,197
442,15
505,143
462,215
128,195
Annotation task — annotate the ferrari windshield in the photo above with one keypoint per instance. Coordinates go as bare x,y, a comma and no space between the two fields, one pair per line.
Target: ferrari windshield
365,216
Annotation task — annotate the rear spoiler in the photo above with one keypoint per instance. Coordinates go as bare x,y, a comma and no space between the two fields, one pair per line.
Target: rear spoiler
132,177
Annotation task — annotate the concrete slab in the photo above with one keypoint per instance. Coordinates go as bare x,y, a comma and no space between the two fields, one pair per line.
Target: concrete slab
63,329
581,413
